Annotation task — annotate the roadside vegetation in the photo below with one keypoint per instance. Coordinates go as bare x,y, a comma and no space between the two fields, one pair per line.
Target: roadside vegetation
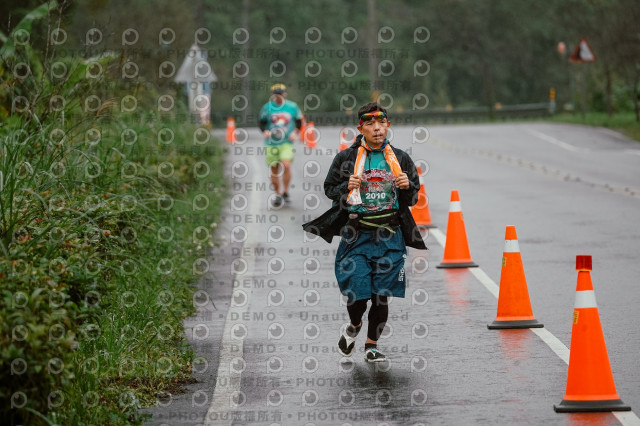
107,209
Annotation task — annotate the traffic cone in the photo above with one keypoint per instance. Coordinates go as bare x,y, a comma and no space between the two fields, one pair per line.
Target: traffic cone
456,249
310,135
590,385
420,211
231,130
303,129
514,307
344,142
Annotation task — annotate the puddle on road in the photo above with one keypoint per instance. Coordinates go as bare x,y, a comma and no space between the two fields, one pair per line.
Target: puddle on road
515,345
457,284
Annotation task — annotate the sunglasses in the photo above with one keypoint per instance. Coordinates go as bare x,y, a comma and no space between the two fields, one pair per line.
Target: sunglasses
379,116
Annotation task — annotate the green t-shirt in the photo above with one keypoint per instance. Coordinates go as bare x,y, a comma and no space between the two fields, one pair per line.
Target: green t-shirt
281,121
378,189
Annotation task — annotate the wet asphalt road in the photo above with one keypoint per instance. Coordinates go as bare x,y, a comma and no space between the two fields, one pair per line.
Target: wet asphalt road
267,349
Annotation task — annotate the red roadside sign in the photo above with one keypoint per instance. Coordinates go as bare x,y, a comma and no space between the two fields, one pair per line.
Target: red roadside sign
583,52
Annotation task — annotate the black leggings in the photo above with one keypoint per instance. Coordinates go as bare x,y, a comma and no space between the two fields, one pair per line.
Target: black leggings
378,314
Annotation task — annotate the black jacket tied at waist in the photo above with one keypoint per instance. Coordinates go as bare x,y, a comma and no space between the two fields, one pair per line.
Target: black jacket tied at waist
332,221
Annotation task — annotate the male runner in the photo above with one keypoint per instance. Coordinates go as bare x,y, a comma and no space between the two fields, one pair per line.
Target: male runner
372,184
280,120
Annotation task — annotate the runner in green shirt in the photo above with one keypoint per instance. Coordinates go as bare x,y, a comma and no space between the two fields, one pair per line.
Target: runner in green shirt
280,121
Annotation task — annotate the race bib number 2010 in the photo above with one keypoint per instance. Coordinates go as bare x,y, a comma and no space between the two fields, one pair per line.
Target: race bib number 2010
378,190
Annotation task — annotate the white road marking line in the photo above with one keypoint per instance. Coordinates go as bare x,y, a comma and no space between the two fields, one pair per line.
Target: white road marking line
486,281
439,236
626,418
540,168
555,141
554,343
227,381
477,272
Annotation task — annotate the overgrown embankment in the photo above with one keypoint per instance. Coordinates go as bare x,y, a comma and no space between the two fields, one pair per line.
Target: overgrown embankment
107,209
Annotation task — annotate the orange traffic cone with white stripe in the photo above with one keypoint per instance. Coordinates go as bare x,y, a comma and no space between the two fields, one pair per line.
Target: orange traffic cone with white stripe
514,306
310,135
590,385
231,130
303,129
456,248
420,211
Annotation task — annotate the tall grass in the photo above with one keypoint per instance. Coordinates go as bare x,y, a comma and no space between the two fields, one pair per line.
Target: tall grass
101,227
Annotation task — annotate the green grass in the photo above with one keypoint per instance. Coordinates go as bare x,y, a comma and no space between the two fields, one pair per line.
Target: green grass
100,255
623,122
106,218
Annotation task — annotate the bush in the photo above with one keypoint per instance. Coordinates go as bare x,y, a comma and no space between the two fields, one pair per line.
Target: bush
97,246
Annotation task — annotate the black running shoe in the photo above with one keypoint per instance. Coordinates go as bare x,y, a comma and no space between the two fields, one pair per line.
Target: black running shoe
347,343
286,198
277,201
373,355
